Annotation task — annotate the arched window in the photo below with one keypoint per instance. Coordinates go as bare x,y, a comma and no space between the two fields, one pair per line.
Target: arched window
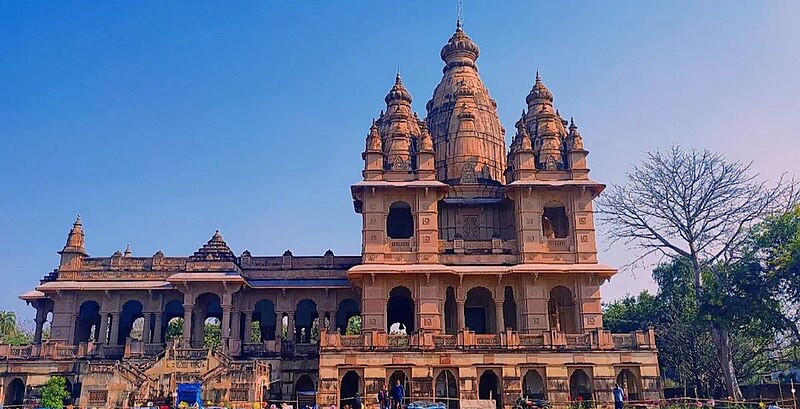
207,326
130,324
351,384
562,311
450,307
400,222
400,309
264,321
509,309
304,384
172,323
15,392
489,388
402,378
580,386
533,385
554,221
629,383
305,316
479,311
348,308
447,389
88,317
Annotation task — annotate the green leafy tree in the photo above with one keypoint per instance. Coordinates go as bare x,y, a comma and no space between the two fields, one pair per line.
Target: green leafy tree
174,328
8,322
353,325
54,392
255,334
212,334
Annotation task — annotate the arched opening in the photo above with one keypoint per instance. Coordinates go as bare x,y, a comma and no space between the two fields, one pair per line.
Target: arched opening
304,319
305,392
446,389
15,392
554,221
264,322
400,222
348,308
479,311
350,386
509,309
131,311
580,387
172,321
629,383
400,310
402,378
533,385
207,322
304,384
68,386
87,322
450,317
489,388
561,309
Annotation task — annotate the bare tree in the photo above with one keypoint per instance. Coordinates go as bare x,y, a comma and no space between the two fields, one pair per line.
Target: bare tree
693,205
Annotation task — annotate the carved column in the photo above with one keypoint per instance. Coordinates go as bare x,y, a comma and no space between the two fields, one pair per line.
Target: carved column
290,326
102,332
37,336
236,323
148,321
499,319
225,329
331,324
159,324
114,328
248,328
462,322
443,318
187,325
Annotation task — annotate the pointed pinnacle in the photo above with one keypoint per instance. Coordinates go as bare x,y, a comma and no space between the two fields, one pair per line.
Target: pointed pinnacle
538,77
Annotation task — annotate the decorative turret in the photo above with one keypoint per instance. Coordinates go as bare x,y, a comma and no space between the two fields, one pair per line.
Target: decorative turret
127,252
397,128
546,127
214,250
373,154
521,159
74,250
483,153
577,154
425,157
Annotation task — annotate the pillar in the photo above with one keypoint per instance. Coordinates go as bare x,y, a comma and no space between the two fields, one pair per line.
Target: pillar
331,324
187,325
442,318
462,322
225,327
499,319
114,328
290,326
159,325
248,328
37,336
148,321
102,332
236,324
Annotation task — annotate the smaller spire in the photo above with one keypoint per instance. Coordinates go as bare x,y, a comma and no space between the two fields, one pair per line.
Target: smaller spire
75,238
127,252
538,77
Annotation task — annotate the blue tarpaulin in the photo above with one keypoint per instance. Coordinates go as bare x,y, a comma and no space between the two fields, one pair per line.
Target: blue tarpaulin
189,393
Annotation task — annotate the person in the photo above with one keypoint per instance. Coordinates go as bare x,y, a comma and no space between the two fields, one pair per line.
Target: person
382,398
357,401
773,405
398,394
619,397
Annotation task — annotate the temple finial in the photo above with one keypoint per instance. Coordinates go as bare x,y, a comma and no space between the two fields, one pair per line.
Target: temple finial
127,250
460,18
538,77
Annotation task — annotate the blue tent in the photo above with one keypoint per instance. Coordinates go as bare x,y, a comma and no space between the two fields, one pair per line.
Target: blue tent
189,393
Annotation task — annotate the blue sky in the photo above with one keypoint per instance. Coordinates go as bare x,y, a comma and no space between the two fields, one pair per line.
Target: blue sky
159,122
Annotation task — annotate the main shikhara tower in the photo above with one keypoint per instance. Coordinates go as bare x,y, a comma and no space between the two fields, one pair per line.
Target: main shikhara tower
478,281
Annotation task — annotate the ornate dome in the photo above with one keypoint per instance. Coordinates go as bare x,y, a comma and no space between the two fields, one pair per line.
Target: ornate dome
398,92
539,92
460,50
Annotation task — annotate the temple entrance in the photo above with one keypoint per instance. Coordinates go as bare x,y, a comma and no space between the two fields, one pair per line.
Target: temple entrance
400,310
533,385
629,383
305,316
447,389
509,309
561,309
348,308
401,376
450,324
131,312
87,325
15,392
351,384
489,388
264,322
479,311
580,386
172,321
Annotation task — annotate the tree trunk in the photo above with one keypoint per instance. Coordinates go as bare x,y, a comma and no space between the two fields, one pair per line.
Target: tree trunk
722,344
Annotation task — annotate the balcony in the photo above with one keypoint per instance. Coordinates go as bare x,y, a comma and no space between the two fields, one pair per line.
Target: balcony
470,341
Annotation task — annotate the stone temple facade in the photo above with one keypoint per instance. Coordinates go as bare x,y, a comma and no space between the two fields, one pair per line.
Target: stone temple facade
478,281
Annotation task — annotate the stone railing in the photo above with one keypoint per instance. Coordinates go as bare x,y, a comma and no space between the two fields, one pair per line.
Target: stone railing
598,339
402,245
306,349
190,353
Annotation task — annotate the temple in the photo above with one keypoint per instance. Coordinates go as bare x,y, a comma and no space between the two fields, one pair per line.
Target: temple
478,281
